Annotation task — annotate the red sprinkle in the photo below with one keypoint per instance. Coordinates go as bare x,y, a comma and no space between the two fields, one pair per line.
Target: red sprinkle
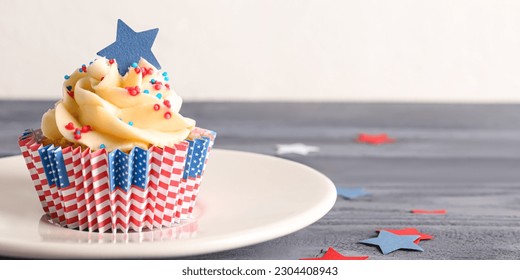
137,70
71,93
156,107
167,115
167,103
101,78
69,126
147,71
157,86
111,61
167,86
77,136
84,68
86,128
133,91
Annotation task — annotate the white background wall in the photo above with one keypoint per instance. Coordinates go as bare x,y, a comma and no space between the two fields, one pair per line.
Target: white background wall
307,50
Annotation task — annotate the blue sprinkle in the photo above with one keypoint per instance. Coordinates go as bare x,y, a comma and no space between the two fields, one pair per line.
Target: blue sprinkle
152,81
159,95
131,123
69,87
80,70
102,146
90,63
146,91
66,77
165,74
134,65
166,78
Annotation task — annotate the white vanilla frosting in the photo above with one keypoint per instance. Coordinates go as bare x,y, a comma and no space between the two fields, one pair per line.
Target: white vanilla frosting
102,109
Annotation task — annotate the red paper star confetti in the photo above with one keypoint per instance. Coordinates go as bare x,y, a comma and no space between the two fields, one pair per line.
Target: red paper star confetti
332,254
409,231
431,212
374,139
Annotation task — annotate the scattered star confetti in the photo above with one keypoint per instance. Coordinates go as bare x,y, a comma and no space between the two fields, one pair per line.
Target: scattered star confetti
332,254
351,193
410,231
374,139
296,148
389,242
130,46
431,212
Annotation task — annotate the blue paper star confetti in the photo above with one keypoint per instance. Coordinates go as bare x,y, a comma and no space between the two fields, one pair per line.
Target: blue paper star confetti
351,193
130,46
389,242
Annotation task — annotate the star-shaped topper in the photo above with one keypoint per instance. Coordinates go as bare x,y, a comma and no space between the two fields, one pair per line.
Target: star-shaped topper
130,46
332,254
296,148
389,242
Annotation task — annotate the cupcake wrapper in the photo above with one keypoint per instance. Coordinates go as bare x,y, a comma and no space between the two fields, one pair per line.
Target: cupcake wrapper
100,191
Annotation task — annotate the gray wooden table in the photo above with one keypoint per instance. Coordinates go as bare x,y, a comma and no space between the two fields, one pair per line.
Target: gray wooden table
462,158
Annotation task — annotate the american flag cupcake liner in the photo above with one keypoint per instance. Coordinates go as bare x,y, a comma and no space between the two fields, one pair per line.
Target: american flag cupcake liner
117,191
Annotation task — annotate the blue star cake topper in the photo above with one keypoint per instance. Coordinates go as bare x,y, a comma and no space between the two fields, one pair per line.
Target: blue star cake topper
130,46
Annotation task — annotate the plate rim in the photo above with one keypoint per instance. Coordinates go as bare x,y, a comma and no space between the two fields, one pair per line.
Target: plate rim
52,250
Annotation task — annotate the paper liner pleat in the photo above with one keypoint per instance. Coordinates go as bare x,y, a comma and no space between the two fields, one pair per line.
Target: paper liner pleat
116,191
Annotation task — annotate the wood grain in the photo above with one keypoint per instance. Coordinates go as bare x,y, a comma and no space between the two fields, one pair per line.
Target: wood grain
462,158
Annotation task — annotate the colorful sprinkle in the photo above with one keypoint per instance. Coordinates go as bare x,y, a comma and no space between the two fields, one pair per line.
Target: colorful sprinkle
131,123
77,136
80,70
133,91
69,87
152,81
146,91
157,86
159,95
69,126
166,78
111,61
84,68
77,131
134,65
66,77
156,107
86,128
167,115
165,74
167,103
137,70
147,71
71,93
102,146
167,86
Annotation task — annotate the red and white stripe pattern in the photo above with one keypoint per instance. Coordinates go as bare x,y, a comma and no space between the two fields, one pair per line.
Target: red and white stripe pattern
90,201
99,165
174,186
68,193
155,194
199,178
29,161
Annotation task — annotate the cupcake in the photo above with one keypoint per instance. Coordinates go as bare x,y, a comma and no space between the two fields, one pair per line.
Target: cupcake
115,154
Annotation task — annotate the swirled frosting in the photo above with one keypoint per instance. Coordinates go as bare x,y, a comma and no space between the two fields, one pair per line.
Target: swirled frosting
102,109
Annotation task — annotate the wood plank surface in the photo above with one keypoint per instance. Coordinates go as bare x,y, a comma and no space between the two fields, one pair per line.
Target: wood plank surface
464,158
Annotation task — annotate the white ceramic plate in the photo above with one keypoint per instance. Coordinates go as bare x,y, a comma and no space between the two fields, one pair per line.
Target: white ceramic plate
245,199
